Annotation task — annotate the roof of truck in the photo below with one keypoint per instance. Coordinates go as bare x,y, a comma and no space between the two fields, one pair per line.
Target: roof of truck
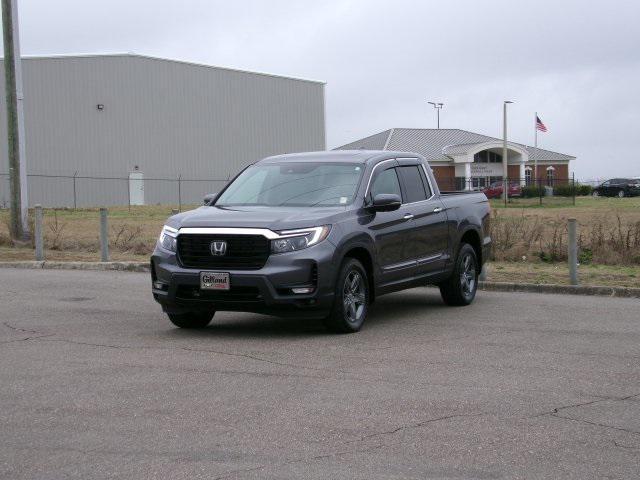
351,156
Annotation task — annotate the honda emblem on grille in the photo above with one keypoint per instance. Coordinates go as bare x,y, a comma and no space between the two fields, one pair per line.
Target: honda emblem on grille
218,248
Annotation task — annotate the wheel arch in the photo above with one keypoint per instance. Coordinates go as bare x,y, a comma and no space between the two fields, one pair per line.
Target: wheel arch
362,250
473,238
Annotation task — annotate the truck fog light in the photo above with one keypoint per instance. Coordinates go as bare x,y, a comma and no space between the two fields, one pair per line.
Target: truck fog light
160,286
302,290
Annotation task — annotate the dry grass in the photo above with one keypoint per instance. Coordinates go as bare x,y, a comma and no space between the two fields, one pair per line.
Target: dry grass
608,232
608,228
558,273
76,233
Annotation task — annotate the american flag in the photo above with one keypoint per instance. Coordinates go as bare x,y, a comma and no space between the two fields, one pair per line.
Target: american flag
539,125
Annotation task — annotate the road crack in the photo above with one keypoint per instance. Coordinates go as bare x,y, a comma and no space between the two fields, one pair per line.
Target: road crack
188,349
18,329
596,424
584,404
416,425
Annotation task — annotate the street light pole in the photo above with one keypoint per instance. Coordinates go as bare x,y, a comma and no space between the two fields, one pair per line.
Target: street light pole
505,164
438,107
15,122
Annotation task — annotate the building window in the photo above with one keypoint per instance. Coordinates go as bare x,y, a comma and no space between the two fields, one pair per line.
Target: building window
527,176
551,172
487,156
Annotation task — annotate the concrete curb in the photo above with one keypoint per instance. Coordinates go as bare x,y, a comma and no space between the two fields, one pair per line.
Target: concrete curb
118,266
624,292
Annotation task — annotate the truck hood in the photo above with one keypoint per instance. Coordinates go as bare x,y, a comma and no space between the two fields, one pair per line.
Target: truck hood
273,218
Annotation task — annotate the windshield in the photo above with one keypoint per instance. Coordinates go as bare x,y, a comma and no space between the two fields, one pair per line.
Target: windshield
294,184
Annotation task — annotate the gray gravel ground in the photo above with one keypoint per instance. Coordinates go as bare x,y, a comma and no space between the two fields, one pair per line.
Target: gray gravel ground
95,383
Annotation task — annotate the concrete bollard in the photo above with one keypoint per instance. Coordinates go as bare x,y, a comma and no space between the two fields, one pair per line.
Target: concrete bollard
483,273
104,236
38,234
573,252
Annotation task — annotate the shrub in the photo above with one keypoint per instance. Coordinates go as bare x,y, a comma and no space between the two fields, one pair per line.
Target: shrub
532,191
564,190
585,256
584,190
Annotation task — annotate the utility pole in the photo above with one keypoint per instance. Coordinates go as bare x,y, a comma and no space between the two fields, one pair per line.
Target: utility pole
15,122
505,165
438,106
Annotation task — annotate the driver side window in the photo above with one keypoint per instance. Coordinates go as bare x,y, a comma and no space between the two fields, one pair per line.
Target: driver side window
386,182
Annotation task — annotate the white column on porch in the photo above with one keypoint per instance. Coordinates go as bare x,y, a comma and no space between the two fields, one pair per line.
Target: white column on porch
467,176
522,180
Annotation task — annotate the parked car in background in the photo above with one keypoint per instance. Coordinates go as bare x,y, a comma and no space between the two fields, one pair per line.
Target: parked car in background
618,187
495,190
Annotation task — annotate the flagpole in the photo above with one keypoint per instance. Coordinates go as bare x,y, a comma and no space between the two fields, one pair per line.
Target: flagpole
535,151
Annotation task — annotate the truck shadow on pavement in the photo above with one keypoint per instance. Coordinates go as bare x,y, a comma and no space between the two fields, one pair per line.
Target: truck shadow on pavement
386,311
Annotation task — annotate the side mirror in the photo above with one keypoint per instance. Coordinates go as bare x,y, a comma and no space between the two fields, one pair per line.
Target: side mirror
386,202
209,198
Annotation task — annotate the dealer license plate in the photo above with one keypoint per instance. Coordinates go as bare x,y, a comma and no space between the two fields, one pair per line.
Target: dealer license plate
214,281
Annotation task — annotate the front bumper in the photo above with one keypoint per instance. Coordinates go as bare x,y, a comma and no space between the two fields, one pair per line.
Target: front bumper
267,290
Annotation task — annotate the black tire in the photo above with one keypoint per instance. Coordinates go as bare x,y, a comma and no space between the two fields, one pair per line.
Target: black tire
460,289
191,319
351,301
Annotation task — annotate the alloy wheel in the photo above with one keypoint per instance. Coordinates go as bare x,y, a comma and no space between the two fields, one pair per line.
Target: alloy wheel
468,275
354,296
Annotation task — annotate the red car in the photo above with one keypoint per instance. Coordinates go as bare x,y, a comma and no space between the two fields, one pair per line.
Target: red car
495,190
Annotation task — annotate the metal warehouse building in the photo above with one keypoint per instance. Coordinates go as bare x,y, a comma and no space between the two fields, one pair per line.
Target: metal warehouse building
152,130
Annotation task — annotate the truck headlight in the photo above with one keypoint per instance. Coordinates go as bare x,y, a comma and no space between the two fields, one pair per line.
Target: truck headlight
298,239
168,238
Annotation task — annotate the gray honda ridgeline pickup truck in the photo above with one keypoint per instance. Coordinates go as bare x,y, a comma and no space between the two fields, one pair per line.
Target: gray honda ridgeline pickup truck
320,235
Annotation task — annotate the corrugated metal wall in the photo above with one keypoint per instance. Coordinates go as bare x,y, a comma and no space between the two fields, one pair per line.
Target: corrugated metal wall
167,118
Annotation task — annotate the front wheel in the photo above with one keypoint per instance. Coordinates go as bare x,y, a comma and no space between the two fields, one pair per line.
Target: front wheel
621,194
460,288
191,319
351,300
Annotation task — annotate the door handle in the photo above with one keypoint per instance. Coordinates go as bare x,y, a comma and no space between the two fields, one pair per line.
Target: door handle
437,210
407,216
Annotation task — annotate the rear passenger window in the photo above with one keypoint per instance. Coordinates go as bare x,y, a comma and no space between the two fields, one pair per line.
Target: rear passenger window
386,182
412,181
427,188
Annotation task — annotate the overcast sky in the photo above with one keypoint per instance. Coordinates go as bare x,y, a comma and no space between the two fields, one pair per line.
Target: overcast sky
576,62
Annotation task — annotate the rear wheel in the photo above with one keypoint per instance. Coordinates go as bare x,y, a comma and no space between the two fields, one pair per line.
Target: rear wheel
621,194
351,300
460,288
191,319
595,193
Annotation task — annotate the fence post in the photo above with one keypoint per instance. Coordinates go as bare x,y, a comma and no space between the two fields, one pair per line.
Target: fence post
75,202
179,193
505,190
540,190
573,252
104,236
129,192
38,233
483,273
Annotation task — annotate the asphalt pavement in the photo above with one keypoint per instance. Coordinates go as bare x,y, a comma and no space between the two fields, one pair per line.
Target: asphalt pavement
95,383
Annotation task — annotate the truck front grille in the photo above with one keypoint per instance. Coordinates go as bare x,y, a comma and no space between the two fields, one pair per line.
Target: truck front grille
243,252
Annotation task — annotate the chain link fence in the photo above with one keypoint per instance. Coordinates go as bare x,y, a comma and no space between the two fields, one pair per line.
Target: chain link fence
523,191
80,191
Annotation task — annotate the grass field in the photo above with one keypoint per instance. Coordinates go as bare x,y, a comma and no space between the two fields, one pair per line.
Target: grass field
609,237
